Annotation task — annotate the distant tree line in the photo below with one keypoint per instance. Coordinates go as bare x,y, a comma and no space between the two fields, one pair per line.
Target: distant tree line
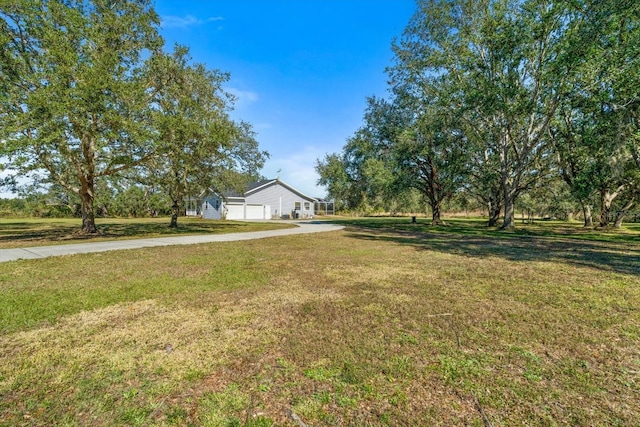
94,115
131,201
504,104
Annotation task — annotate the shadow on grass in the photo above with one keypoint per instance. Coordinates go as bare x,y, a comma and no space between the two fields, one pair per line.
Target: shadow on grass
477,227
139,229
21,233
28,232
514,246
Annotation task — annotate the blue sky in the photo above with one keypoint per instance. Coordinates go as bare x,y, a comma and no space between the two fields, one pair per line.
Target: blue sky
301,69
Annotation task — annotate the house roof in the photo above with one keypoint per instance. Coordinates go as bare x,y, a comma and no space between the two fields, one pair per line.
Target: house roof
259,184
249,188
256,186
232,194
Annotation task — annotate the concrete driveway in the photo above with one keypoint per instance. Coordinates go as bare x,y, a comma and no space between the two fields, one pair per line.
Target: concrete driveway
82,248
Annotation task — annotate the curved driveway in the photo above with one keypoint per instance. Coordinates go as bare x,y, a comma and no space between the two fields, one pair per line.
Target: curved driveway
81,248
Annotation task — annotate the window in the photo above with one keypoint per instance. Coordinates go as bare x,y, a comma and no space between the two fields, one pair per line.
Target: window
307,206
297,206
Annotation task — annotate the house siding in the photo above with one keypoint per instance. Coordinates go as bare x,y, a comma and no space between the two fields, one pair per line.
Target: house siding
209,204
281,199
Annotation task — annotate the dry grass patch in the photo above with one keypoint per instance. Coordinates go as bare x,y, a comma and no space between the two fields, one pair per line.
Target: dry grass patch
116,365
346,328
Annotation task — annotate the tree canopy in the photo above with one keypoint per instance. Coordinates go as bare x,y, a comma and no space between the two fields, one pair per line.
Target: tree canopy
87,96
74,105
198,146
496,97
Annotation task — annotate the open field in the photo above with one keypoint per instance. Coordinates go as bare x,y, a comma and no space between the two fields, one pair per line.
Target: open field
384,323
22,232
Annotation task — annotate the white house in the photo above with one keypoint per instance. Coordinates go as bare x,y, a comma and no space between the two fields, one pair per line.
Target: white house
265,199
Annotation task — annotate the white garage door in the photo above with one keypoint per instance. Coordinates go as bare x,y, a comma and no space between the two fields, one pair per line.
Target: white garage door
255,212
235,211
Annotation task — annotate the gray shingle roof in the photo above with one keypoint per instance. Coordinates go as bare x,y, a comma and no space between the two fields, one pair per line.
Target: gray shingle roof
255,185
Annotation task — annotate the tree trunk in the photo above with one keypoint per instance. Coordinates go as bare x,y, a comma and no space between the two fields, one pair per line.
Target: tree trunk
508,187
622,213
586,211
606,200
494,212
605,207
509,214
509,207
604,215
435,213
147,203
619,218
88,216
175,212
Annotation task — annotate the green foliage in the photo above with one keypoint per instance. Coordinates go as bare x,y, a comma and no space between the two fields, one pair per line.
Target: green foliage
198,146
80,107
73,101
133,201
429,153
366,176
136,201
334,177
487,66
496,99
593,134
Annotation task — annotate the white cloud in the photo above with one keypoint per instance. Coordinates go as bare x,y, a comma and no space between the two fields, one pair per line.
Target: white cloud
170,21
298,170
244,98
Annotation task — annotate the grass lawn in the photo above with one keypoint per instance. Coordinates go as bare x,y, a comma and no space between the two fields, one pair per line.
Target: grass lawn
24,232
383,323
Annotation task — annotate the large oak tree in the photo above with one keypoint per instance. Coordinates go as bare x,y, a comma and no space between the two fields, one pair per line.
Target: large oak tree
74,106
198,147
504,60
